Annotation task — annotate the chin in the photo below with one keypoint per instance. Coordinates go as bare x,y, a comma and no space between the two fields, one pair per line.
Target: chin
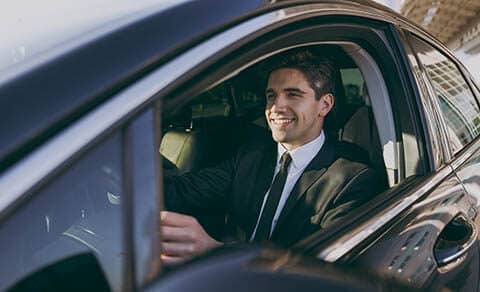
279,138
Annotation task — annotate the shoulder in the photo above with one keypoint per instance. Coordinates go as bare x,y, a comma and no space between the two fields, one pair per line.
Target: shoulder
347,171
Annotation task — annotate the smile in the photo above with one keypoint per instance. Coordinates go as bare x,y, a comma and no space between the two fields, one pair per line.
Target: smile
281,122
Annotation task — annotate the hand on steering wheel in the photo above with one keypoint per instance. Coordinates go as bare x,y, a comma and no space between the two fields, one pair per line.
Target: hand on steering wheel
182,238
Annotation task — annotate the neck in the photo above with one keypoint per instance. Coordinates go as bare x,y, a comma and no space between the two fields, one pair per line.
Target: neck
292,146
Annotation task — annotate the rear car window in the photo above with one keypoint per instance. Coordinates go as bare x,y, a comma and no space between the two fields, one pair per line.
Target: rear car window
457,103
212,103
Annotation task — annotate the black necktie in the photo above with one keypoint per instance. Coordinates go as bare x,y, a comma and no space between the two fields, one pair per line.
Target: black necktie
265,223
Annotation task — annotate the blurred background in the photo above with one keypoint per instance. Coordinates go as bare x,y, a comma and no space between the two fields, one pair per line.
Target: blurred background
455,22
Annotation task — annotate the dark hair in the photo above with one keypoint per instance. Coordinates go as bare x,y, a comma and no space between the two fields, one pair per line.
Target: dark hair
318,70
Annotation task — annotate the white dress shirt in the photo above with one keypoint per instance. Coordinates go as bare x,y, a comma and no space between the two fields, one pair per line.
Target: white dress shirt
301,157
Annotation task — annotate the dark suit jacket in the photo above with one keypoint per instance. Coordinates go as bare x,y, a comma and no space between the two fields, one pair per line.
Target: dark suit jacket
333,183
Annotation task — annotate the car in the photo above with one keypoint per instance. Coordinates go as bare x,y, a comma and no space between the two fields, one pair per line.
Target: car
84,124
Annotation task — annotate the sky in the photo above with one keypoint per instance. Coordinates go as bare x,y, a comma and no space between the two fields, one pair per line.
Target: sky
394,4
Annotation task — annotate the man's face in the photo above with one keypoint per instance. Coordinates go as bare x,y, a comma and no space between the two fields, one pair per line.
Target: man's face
293,114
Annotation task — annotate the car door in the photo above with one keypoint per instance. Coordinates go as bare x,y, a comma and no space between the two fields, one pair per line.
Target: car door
426,236
79,163
458,115
80,227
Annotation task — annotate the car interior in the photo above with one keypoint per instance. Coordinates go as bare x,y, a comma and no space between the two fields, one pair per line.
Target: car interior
212,125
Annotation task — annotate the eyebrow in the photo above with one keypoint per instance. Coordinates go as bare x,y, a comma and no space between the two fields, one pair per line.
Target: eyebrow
291,89
295,90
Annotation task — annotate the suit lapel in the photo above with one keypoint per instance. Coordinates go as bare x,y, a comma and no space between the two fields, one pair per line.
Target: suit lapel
315,169
263,180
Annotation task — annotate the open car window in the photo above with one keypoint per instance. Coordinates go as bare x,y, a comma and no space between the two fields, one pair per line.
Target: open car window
209,128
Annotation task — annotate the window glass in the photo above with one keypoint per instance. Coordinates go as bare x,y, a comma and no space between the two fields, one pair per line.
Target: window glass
248,90
355,90
475,88
431,122
212,103
457,103
77,212
248,100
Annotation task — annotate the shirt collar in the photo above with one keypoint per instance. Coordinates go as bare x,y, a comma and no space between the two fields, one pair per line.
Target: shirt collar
301,156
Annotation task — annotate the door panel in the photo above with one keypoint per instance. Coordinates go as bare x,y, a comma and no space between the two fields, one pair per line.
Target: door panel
469,174
78,211
411,252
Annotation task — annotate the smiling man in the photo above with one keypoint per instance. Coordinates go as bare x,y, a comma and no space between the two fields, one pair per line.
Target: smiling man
295,111
279,190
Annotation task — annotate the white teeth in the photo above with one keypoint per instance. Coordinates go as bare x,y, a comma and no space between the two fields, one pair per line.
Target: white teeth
282,121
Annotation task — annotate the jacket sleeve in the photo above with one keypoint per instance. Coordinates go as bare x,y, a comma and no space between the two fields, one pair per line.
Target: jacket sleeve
195,192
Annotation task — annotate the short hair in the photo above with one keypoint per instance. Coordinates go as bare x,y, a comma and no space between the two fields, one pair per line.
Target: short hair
317,69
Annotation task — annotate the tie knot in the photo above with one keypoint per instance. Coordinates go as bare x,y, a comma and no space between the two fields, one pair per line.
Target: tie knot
285,160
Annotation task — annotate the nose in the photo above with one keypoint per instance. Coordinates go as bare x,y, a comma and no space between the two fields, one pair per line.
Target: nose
279,104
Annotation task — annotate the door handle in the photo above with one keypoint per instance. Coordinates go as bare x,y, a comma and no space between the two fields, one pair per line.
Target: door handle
455,240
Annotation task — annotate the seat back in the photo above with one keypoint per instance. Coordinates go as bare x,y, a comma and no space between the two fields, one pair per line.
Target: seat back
190,145
361,130
183,149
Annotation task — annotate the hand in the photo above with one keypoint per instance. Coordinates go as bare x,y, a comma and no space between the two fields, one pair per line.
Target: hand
182,238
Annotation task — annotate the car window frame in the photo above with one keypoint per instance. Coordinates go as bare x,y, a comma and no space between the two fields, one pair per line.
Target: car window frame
449,153
436,131
330,234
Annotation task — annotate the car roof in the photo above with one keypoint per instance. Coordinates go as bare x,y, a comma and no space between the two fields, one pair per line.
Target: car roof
68,22
43,97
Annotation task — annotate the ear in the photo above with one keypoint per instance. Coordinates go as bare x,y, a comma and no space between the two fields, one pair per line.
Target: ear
326,103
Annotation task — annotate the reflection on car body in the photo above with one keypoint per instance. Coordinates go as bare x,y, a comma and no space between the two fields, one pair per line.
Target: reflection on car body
80,179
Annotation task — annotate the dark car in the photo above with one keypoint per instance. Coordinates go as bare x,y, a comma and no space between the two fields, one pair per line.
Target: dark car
82,127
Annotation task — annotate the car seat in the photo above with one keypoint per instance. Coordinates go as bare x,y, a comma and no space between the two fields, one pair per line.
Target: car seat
361,130
190,145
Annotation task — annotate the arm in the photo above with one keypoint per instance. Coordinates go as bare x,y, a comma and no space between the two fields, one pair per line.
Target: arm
201,191
192,193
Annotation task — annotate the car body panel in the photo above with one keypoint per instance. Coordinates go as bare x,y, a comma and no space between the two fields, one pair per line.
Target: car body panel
238,268
406,252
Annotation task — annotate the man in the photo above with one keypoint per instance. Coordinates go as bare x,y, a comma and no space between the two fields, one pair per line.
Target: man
281,190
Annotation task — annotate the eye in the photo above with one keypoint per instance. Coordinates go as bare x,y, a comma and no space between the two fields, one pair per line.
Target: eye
270,96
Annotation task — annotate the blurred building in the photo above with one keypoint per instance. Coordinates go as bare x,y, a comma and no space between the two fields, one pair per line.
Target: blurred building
455,22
